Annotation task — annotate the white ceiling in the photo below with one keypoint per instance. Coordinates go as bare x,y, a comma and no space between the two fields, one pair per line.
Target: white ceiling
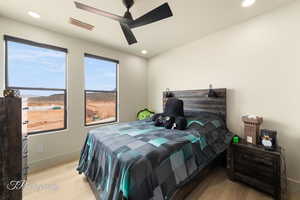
192,20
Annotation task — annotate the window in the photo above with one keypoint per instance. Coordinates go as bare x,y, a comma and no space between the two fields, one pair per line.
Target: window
100,90
38,71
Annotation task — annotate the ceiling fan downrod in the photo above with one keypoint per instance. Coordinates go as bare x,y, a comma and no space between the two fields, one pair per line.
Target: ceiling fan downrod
128,3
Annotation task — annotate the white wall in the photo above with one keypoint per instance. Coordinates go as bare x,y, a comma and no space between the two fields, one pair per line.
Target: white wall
258,61
66,145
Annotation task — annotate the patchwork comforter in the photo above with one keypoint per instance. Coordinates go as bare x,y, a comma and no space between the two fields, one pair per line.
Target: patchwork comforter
139,161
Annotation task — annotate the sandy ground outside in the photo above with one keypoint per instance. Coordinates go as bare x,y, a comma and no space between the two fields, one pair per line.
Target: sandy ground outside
97,111
41,120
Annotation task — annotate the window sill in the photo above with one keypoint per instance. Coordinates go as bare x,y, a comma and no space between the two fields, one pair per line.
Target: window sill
58,131
100,125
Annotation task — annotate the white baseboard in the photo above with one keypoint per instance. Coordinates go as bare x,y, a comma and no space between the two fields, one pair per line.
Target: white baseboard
53,161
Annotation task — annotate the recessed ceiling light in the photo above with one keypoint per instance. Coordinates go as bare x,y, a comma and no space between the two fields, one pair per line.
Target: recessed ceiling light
34,14
144,52
248,3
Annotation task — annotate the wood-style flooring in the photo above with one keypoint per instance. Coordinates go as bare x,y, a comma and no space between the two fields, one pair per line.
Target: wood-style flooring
63,182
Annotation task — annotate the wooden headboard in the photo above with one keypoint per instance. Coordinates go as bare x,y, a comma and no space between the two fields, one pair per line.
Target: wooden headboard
196,101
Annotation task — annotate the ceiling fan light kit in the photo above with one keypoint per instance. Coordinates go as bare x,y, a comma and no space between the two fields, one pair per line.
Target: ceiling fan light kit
127,22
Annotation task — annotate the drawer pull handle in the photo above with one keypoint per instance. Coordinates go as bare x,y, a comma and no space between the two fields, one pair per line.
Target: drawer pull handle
25,108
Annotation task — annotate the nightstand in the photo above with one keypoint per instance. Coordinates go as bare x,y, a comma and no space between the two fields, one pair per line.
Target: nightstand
257,167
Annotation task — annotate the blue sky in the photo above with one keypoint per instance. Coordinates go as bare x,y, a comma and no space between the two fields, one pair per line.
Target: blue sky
99,74
30,66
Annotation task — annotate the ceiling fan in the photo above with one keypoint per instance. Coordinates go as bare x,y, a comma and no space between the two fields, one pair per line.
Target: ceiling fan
127,22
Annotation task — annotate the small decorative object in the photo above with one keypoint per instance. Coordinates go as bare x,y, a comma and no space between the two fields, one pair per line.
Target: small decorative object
211,92
11,93
144,114
268,139
252,124
236,139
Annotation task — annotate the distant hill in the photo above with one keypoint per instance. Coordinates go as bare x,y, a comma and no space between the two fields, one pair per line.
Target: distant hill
52,98
99,96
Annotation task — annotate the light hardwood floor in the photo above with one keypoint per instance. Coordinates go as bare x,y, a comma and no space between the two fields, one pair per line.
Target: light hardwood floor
63,182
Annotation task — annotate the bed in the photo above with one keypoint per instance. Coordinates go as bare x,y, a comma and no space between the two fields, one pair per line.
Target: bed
137,160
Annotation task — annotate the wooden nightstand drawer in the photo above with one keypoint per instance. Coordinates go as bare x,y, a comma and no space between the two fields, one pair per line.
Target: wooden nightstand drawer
263,175
253,165
250,157
254,182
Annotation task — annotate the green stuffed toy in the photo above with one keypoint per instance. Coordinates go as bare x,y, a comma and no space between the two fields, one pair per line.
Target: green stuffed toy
144,114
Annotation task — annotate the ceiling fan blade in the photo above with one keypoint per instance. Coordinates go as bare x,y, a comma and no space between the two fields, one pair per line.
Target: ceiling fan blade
100,12
128,34
162,12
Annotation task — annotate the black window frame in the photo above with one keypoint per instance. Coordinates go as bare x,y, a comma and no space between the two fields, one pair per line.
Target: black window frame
46,46
87,55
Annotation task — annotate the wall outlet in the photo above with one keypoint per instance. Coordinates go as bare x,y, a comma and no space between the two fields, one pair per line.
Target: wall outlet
40,148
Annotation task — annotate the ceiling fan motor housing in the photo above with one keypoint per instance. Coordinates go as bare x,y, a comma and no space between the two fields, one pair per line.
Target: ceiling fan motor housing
128,3
128,15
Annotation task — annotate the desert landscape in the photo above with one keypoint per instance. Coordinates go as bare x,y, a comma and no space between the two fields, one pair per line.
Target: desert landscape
47,113
100,107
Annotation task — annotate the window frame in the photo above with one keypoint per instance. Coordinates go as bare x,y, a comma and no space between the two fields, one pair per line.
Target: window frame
87,55
46,46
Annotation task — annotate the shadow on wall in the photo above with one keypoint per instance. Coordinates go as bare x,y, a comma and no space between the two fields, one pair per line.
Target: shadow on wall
234,113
